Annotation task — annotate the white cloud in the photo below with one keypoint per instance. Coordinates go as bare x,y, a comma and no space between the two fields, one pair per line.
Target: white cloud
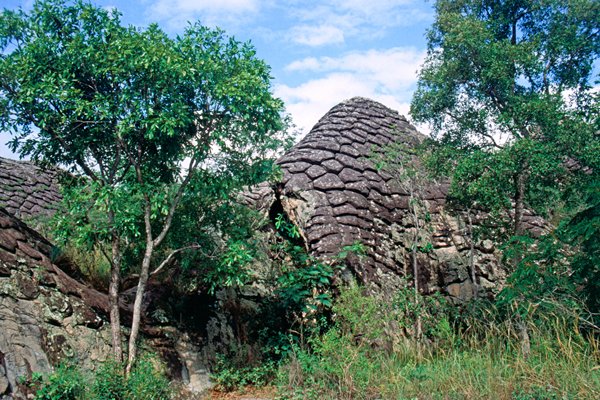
356,18
393,69
169,7
316,35
177,13
387,76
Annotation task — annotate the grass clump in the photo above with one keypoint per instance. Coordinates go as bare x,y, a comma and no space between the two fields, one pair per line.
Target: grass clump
371,352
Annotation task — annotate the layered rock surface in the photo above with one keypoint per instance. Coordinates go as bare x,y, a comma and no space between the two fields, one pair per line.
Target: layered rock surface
45,315
334,192
28,191
331,189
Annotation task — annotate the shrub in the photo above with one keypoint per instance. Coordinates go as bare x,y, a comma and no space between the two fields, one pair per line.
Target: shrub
66,383
372,352
108,382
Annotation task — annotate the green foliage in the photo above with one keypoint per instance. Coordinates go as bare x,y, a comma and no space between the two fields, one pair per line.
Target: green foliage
583,231
126,106
507,89
66,383
146,382
147,123
369,354
304,283
283,225
230,373
109,382
300,306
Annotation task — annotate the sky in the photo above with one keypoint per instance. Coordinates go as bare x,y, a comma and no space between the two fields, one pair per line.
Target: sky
320,52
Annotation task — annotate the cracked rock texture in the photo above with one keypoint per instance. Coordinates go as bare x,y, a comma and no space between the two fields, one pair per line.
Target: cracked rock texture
28,191
332,190
45,315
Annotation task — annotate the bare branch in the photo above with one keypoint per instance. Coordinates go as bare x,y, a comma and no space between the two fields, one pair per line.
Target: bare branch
169,258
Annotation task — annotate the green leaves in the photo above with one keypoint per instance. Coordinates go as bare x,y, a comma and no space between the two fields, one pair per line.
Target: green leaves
159,132
507,89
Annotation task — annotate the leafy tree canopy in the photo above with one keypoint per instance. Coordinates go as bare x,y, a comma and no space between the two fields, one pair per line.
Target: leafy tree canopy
151,121
507,86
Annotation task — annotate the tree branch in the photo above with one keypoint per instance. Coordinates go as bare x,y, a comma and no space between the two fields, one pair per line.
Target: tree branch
169,258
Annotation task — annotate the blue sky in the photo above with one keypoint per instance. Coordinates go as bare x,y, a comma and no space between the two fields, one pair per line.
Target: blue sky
321,52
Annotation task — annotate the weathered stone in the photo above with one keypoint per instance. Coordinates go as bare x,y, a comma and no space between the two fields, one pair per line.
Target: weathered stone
348,175
328,182
332,165
358,202
315,171
27,287
8,241
26,189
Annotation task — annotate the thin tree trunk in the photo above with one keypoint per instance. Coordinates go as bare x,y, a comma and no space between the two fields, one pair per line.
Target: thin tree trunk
521,180
415,265
137,307
523,332
141,289
113,295
472,254
520,183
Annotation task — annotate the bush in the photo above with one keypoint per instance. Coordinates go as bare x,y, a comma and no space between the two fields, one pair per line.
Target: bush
146,382
372,352
108,383
66,383
229,377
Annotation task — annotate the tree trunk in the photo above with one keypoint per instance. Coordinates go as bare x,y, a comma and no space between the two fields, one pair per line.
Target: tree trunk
113,296
137,306
523,333
415,265
520,184
520,181
472,254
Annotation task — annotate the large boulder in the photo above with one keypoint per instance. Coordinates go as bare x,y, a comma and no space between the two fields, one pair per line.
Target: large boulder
48,317
336,194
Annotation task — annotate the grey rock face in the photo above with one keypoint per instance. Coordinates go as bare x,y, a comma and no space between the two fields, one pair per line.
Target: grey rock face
333,192
45,315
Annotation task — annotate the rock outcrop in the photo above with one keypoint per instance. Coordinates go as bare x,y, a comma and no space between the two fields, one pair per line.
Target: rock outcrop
28,191
332,189
337,196
45,315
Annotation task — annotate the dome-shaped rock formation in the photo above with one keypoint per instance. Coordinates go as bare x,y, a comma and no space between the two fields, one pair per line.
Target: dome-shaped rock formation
333,190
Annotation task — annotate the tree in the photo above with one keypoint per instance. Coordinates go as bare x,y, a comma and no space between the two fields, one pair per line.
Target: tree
506,86
404,165
143,117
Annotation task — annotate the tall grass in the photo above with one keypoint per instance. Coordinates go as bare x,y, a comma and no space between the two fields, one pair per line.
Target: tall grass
369,353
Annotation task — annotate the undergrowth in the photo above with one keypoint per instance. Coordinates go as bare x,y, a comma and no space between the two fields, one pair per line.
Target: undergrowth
108,382
370,352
